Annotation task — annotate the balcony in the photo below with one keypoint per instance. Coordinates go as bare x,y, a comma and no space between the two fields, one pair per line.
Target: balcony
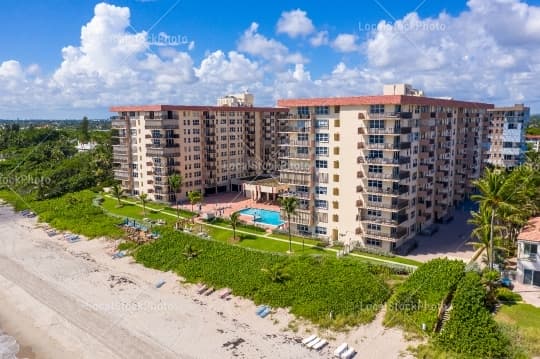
383,220
295,169
296,155
382,191
400,233
161,124
295,129
295,143
377,161
378,146
387,176
120,150
404,160
162,151
399,205
303,195
383,131
404,145
294,181
121,174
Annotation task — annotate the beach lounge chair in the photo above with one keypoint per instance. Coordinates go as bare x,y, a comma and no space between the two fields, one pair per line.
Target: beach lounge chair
320,345
209,291
160,283
309,339
313,342
348,354
225,293
261,309
340,349
265,312
119,254
52,233
73,239
201,289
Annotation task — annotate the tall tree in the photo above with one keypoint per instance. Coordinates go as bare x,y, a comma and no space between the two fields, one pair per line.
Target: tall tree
117,192
235,221
499,194
143,197
289,205
194,198
175,183
85,132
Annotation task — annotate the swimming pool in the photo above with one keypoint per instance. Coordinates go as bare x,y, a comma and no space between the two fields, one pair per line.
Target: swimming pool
264,216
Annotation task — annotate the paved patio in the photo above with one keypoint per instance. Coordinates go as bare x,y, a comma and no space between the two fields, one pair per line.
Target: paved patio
452,240
529,293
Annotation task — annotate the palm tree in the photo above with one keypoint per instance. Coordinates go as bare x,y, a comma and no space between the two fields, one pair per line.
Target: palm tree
288,205
194,198
117,192
176,182
235,221
498,194
144,198
481,219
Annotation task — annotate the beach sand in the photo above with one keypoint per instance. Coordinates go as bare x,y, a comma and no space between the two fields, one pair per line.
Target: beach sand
64,300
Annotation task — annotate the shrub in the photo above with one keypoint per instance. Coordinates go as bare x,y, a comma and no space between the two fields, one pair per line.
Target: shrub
471,329
316,287
417,300
506,295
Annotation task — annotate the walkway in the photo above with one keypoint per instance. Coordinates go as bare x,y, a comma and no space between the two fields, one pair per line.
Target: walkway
373,259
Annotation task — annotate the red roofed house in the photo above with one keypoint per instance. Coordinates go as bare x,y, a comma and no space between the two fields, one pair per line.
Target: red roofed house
528,258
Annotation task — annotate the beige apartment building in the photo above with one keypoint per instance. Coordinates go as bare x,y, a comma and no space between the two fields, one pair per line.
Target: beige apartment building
211,146
505,142
376,170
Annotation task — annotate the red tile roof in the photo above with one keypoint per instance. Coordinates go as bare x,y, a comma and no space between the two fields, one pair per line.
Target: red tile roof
531,232
532,137
383,99
153,108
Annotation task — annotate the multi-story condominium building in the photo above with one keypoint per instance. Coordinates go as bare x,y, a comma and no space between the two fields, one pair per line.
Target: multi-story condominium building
528,256
376,170
505,142
533,141
210,146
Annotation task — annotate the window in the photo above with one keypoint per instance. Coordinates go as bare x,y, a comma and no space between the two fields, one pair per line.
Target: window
336,178
337,123
375,169
374,198
321,164
512,126
375,183
321,137
335,191
373,227
336,164
530,249
336,136
320,230
375,154
335,205
376,139
303,111
376,123
321,110
321,124
373,242
302,137
376,108
321,151
321,204
335,218
320,190
374,213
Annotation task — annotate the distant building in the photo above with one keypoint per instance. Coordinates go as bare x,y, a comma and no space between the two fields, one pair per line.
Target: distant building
82,147
534,141
236,100
505,144
528,256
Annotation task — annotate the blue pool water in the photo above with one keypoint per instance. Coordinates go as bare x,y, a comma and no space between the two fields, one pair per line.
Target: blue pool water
263,216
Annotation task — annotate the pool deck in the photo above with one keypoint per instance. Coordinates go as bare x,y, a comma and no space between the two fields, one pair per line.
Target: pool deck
223,204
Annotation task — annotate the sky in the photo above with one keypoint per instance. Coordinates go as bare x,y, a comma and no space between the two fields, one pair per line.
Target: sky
67,59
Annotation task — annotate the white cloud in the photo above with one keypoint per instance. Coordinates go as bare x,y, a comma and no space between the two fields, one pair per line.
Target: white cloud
295,23
253,43
319,39
489,52
345,43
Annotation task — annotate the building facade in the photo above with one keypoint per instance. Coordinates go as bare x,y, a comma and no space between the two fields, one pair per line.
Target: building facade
376,170
505,145
210,146
528,255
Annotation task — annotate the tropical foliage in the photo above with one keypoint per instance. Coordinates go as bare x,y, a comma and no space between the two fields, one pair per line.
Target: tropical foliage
317,288
289,205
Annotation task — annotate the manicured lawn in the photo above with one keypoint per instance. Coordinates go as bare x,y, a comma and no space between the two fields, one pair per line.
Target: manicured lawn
525,318
296,239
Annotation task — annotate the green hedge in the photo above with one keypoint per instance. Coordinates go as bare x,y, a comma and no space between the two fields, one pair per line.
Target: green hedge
417,300
317,286
471,329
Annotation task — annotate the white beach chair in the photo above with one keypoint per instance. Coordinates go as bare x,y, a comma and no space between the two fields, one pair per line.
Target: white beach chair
320,345
348,354
340,350
202,288
309,339
313,342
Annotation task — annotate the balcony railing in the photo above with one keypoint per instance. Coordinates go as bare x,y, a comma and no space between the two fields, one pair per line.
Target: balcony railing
383,220
158,124
383,131
295,129
385,235
295,155
384,205
378,146
304,195
295,143
296,169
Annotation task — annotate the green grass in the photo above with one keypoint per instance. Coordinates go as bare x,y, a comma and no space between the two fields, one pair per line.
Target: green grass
396,259
297,239
315,286
524,320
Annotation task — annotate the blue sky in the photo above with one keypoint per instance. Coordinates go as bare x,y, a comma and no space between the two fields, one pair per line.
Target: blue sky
52,67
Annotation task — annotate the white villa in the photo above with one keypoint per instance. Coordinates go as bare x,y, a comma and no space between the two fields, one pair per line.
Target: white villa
528,256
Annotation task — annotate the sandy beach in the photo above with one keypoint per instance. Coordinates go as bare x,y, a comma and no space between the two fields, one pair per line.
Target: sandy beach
64,300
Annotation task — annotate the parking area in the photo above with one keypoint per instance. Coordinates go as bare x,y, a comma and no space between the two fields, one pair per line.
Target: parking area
452,240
